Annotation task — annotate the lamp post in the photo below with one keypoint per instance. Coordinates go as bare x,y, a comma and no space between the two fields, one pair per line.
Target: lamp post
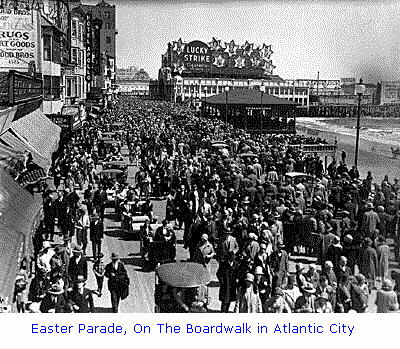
226,104
262,91
360,90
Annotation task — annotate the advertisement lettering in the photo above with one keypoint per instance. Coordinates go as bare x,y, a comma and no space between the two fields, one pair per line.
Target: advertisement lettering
18,38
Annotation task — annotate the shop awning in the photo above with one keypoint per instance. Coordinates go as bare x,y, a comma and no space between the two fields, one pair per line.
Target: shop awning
35,133
19,213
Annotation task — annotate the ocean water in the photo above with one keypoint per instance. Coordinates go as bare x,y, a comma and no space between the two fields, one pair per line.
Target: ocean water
378,133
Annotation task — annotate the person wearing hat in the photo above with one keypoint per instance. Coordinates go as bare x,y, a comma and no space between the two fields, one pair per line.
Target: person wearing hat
204,251
248,299
279,266
334,251
77,264
262,283
359,294
96,234
322,304
118,281
228,246
368,262
369,221
386,298
383,253
306,302
312,275
81,299
277,303
55,301
99,270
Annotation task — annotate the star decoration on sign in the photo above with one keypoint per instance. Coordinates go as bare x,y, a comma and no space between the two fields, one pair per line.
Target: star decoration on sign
266,51
268,66
215,44
240,62
231,48
179,67
255,61
219,61
178,46
248,48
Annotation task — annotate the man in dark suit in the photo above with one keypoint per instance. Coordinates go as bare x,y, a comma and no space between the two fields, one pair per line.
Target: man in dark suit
96,234
118,281
81,298
229,247
77,265
54,301
49,211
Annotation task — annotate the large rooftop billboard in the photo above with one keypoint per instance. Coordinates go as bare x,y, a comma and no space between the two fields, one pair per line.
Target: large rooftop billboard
217,59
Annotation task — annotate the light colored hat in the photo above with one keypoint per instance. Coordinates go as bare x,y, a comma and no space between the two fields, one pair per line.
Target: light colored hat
258,271
387,285
249,277
369,205
324,295
77,249
55,289
204,236
252,236
46,244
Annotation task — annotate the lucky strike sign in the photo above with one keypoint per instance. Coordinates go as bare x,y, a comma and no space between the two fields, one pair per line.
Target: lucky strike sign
196,55
219,59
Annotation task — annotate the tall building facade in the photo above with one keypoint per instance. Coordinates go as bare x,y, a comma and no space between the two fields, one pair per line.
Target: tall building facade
101,47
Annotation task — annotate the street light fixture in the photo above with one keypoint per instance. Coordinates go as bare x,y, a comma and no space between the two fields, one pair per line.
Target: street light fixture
359,90
262,91
226,104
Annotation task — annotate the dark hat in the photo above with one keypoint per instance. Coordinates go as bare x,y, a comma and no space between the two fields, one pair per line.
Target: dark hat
114,255
55,289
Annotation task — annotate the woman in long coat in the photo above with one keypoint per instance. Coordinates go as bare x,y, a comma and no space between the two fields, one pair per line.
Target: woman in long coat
368,262
383,252
248,298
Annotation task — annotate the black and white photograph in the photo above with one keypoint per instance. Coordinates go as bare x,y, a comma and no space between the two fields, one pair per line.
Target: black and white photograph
199,156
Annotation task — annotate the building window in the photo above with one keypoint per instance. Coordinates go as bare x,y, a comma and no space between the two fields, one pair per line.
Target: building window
51,87
74,27
69,88
108,39
74,58
47,47
80,33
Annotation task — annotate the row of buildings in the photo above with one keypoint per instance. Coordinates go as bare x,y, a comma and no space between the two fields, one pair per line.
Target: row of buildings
57,63
70,46
192,72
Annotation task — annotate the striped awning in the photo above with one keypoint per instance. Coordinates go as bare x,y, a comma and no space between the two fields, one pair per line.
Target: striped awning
34,133
32,177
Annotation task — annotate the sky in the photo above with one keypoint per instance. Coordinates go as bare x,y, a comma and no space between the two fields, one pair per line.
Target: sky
337,38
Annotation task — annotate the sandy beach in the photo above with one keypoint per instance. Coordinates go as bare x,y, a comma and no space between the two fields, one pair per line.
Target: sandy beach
374,154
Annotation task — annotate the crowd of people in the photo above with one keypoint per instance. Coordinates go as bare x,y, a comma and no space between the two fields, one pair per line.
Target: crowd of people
230,193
